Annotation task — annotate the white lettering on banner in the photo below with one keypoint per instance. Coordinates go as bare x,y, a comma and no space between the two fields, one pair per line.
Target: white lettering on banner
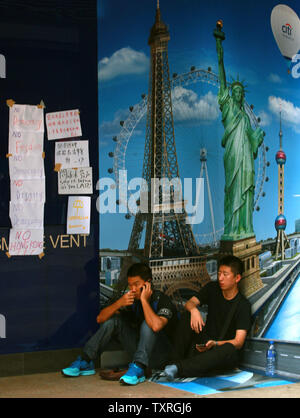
175,196
2,66
295,72
2,326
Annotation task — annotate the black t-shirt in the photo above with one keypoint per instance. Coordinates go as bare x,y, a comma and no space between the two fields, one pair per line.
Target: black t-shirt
218,309
161,305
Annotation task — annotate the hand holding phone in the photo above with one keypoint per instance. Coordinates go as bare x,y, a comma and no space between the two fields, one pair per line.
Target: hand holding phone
146,291
201,348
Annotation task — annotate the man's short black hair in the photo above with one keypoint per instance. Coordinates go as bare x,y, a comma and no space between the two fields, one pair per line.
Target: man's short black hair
233,262
140,269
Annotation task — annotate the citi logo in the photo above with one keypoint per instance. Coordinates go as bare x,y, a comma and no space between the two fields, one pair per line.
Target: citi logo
2,326
287,29
2,66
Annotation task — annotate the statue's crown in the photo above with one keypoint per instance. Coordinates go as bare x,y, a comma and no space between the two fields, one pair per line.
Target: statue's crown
238,83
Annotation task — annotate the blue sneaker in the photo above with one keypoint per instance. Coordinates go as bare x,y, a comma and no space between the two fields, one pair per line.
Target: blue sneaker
133,376
79,368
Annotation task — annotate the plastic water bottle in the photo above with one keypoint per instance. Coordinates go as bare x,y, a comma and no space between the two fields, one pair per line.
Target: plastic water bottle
271,360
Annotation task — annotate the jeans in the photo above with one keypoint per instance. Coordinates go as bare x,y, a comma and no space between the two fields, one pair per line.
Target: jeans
144,345
190,362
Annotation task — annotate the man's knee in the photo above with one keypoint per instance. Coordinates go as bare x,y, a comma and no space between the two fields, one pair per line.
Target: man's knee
145,329
229,354
227,348
111,323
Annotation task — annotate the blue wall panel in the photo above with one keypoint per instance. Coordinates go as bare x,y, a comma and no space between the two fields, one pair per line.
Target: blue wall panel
51,54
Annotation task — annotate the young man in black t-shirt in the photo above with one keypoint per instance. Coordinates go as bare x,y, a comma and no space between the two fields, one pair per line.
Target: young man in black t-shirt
205,347
142,320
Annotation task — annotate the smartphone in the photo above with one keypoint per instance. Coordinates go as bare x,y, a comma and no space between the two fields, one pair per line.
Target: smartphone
200,345
152,288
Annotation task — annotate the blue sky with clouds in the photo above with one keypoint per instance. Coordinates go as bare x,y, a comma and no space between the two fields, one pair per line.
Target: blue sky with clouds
249,50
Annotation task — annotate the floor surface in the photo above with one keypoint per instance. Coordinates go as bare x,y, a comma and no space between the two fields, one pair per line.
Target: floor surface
54,385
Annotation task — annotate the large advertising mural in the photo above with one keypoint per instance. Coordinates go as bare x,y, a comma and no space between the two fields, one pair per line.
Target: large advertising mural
214,89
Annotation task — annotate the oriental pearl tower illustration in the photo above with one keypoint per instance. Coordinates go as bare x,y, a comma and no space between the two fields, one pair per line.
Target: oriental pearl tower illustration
280,221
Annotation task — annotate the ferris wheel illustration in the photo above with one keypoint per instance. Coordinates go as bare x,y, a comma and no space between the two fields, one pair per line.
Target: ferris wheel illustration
205,154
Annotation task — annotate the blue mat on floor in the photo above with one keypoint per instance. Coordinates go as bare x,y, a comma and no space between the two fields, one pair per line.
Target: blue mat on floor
234,380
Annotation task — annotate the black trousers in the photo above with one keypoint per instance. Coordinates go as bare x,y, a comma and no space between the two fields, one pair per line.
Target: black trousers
190,362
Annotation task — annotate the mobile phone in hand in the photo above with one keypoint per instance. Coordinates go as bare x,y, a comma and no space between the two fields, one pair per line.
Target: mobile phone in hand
200,345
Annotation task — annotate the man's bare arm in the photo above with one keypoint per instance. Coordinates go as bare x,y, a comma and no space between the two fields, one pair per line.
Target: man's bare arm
197,322
126,300
155,322
238,341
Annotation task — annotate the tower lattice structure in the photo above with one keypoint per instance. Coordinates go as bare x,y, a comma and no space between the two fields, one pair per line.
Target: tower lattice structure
166,230
170,246
280,222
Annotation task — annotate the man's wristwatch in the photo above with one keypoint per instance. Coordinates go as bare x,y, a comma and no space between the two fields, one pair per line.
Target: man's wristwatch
216,343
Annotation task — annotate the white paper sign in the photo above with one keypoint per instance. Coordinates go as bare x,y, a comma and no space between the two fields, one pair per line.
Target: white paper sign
27,179
64,124
26,215
26,241
30,191
26,118
26,167
79,215
72,154
25,143
75,181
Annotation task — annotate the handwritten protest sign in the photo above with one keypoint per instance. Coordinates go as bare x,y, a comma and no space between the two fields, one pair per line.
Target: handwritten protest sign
28,191
79,214
26,118
27,179
26,130
26,167
72,154
26,241
64,124
25,143
26,215
75,181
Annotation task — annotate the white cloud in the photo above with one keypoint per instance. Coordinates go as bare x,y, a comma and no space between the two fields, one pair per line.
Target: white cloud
109,129
289,112
265,118
274,78
112,127
124,61
188,106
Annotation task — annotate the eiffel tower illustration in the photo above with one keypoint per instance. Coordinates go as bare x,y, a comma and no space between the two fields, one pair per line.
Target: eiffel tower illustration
170,246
